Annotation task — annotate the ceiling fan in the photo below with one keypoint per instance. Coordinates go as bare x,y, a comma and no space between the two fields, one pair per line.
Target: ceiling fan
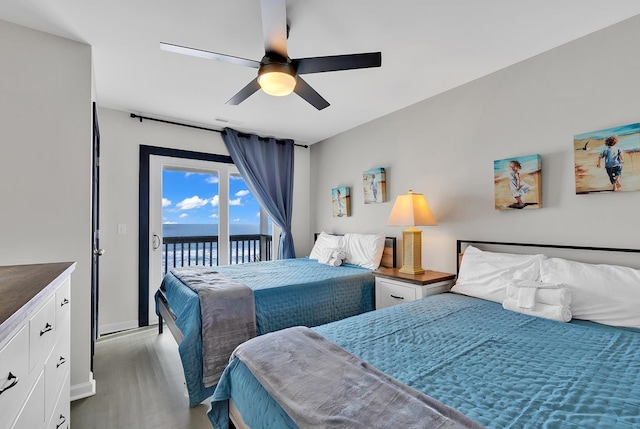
277,73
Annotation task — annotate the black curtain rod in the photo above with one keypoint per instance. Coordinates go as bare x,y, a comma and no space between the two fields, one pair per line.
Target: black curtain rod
133,115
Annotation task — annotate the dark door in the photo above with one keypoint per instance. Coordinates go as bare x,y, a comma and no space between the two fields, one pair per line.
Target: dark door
95,232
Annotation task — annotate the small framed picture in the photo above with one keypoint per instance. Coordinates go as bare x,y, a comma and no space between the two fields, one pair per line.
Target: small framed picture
518,183
375,186
604,160
341,202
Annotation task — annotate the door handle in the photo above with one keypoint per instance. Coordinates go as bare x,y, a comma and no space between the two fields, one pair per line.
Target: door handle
98,252
156,241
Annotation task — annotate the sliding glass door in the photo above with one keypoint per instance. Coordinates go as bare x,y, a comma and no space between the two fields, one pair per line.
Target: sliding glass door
201,213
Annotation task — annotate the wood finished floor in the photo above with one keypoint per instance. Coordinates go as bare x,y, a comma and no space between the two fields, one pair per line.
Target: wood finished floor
139,384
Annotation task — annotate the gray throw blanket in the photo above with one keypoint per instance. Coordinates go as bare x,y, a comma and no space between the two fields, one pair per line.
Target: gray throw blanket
228,316
320,385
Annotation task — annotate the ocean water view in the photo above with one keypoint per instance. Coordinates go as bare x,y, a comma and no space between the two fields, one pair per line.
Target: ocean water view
179,249
199,229
191,208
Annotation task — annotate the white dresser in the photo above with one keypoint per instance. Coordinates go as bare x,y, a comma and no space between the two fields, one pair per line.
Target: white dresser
35,346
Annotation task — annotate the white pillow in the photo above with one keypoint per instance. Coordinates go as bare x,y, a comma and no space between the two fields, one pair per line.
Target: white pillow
364,250
608,294
325,242
487,275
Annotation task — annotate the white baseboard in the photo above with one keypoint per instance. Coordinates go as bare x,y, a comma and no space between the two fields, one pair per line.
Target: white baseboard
84,390
110,328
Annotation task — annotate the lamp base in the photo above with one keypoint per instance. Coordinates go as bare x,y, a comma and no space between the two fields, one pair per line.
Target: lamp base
412,251
411,270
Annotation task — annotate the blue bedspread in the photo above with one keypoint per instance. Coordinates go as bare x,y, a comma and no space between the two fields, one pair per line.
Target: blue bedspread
287,293
501,369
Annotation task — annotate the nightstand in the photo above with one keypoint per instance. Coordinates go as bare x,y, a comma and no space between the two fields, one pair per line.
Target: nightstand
394,287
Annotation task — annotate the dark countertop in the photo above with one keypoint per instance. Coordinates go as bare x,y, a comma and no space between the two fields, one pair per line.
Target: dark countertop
23,287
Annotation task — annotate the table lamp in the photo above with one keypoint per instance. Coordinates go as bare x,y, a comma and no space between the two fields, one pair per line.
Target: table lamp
411,209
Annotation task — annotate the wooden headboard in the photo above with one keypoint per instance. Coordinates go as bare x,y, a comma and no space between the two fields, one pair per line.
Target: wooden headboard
594,255
388,255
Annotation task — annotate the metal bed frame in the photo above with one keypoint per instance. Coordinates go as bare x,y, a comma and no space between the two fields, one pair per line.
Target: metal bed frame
460,244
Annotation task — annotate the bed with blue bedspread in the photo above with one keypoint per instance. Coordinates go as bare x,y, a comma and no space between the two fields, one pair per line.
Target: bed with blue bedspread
499,368
287,293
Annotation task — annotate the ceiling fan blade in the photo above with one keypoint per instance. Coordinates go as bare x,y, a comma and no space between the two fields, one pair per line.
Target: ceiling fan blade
209,55
274,26
244,93
304,90
337,63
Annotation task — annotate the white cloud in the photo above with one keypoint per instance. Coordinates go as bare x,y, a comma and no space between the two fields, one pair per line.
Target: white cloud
183,215
237,219
215,201
215,216
192,203
258,214
170,223
165,202
235,202
242,193
213,179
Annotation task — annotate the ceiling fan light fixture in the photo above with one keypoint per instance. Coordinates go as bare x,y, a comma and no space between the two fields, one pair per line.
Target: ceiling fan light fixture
277,79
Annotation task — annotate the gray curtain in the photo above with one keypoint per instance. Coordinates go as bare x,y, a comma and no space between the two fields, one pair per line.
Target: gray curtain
266,164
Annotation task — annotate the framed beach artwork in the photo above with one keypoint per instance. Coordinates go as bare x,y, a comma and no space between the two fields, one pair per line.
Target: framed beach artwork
341,202
518,183
374,183
607,160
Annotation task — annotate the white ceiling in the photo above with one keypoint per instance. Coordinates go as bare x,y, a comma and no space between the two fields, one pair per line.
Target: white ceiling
428,47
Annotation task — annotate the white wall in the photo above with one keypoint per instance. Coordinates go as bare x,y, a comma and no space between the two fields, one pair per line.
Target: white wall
445,146
45,167
121,137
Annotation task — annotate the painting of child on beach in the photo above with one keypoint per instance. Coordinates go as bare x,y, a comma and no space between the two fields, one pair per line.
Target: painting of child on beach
518,183
608,160
375,186
341,202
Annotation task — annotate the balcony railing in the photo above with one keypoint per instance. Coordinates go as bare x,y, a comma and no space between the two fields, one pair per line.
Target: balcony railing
203,250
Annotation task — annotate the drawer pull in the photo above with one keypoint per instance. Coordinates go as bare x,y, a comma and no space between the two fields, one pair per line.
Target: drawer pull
64,302
60,361
62,419
13,383
46,329
396,297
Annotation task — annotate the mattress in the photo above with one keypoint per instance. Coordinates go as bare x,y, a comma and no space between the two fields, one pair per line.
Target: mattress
501,369
287,293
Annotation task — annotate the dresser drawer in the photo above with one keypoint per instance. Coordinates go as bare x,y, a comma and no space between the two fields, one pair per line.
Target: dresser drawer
63,301
32,414
14,376
61,416
56,368
393,293
436,288
42,333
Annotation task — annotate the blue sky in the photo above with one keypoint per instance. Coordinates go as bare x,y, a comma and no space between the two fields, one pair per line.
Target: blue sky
192,198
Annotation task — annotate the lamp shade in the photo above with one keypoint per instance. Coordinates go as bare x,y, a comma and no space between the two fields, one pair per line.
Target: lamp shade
411,210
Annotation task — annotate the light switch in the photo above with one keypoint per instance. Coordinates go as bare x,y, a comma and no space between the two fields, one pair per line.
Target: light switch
122,228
